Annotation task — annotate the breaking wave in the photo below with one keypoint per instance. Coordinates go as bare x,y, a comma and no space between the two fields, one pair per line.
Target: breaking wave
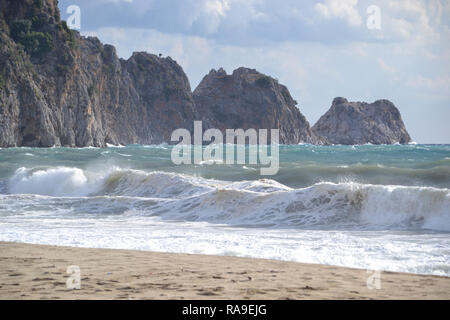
258,203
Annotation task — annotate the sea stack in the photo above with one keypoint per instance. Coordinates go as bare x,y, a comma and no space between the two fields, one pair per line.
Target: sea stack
249,99
350,123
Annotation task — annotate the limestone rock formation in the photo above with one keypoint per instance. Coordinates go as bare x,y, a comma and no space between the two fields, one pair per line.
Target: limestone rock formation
351,123
248,99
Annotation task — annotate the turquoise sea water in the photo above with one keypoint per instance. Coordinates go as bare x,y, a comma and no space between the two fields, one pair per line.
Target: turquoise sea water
374,207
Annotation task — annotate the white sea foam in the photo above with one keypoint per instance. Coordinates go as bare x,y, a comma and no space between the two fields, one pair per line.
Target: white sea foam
58,181
109,145
124,154
258,202
121,223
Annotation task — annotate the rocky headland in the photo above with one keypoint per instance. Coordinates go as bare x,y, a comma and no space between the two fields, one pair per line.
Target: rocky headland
58,88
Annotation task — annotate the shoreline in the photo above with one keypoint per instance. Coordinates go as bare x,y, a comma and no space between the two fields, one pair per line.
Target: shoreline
30,271
168,144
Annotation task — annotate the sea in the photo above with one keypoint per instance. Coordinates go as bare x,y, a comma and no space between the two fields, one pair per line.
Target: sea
374,207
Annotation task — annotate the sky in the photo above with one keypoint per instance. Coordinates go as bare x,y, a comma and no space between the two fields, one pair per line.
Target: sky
362,50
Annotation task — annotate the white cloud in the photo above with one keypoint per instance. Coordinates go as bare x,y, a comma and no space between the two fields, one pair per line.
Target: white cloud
411,19
401,28
385,67
436,83
342,9
217,7
206,14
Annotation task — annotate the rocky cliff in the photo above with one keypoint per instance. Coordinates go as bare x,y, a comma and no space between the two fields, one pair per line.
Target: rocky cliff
248,99
360,123
58,88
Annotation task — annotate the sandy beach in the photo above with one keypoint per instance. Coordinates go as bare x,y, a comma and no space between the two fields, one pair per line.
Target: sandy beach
40,272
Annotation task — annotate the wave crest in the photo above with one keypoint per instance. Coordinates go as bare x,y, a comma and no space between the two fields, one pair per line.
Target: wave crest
252,203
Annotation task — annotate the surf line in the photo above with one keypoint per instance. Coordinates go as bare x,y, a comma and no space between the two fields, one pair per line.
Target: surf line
213,153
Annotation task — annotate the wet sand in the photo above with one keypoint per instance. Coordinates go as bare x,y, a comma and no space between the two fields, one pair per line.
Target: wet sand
40,272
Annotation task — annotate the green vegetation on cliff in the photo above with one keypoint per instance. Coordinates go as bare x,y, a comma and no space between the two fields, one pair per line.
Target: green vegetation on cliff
35,43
